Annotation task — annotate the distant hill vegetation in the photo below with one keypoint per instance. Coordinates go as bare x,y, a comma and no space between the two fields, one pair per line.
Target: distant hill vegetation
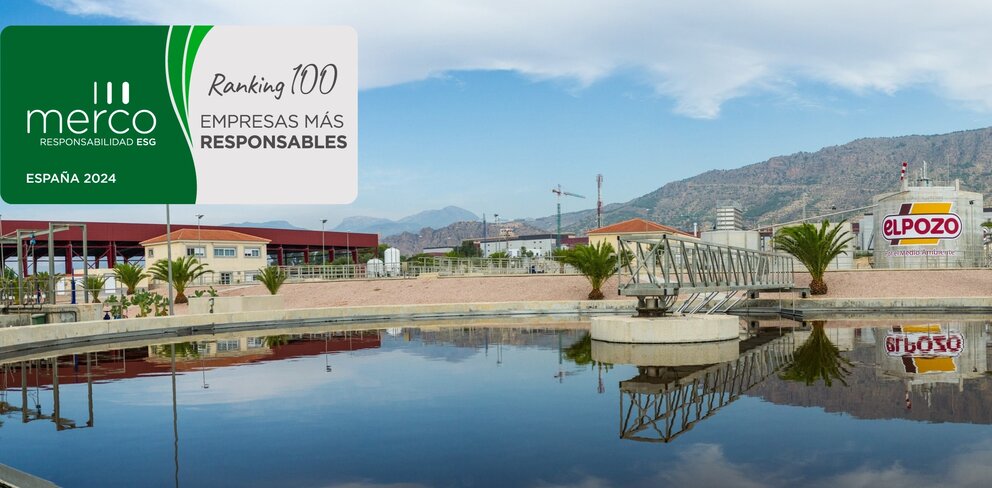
845,176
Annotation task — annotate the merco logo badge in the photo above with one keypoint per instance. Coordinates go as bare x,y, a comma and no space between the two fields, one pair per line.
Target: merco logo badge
119,121
921,223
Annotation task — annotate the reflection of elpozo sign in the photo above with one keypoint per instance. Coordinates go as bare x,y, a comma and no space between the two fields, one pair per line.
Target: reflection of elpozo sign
921,223
178,114
924,344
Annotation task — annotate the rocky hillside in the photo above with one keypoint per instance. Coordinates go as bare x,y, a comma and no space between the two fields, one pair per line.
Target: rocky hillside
845,176
452,235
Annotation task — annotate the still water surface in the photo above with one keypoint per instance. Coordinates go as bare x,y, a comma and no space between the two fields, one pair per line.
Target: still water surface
532,405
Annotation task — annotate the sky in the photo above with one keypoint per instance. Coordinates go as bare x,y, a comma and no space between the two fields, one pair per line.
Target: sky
488,105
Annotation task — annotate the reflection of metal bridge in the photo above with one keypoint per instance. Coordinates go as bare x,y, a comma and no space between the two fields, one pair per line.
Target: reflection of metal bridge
661,403
657,269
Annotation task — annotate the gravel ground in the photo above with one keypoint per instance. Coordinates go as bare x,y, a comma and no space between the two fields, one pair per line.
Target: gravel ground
842,284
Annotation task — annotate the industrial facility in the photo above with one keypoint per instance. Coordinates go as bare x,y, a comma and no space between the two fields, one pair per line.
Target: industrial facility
108,243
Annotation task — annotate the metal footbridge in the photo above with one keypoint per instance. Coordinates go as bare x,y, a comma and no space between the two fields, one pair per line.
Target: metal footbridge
712,277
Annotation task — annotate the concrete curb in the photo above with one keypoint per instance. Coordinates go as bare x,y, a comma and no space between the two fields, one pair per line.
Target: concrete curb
14,339
15,478
806,308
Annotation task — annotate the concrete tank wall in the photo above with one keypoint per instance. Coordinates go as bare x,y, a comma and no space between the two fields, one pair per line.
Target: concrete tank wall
748,239
964,251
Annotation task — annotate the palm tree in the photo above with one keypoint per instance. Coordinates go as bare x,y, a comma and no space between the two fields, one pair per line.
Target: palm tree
814,248
130,275
272,277
41,281
8,282
597,263
185,270
817,358
94,284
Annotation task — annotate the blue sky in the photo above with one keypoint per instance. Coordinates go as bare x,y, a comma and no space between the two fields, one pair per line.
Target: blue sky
474,106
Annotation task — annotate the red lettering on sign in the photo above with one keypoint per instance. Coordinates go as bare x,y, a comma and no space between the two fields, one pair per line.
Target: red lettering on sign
938,225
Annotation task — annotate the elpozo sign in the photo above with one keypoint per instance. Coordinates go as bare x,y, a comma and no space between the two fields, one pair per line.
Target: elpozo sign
178,114
921,223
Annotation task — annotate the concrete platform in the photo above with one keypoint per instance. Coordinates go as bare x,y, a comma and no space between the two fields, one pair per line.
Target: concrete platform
698,354
678,329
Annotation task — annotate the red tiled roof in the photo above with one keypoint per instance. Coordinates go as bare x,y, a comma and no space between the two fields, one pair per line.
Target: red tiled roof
205,235
637,225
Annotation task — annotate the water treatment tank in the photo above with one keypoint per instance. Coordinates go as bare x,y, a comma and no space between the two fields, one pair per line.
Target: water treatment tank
375,269
392,261
927,226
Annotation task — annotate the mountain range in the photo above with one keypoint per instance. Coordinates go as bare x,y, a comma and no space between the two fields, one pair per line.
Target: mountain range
844,176
772,191
412,223
452,235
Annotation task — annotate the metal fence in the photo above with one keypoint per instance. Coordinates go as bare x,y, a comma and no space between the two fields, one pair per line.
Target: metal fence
441,266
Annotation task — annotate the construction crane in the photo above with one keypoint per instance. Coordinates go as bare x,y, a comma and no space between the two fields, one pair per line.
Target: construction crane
558,194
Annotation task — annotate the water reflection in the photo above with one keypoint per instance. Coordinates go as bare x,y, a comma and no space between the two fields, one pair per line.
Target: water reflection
926,381
30,377
401,399
817,359
680,385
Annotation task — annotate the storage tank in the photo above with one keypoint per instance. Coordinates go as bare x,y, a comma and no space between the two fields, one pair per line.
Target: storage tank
392,261
375,269
927,226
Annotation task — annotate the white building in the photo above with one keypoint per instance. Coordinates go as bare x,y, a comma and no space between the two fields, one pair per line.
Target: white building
539,244
233,257
729,217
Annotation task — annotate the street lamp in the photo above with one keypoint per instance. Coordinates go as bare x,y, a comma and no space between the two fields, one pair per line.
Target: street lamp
497,231
323,257
199,243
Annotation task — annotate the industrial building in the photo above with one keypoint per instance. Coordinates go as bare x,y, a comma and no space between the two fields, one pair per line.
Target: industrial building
539,244
109,243
729,216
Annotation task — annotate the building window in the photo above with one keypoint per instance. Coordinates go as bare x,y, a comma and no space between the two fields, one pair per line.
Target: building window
225,252
151,253
251,276
228,345
196,251
225,278
253,252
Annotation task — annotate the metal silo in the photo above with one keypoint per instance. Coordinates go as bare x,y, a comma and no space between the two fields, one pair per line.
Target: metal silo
928,226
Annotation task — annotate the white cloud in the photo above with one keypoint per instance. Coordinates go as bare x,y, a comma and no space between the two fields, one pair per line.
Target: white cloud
701,54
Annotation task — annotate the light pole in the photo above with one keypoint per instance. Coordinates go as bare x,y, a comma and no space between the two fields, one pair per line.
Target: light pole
323,256
168,256
3,257
199,240
497,232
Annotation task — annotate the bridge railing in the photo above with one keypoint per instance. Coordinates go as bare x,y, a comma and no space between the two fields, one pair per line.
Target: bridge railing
665,265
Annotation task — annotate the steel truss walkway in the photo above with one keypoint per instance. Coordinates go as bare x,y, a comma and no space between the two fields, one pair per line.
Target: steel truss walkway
657,269
662,403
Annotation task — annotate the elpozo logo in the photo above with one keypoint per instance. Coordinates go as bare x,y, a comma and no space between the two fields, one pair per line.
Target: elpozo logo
921,224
